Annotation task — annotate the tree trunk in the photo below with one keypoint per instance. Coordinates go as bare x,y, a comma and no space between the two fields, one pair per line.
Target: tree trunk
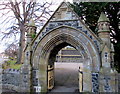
21,44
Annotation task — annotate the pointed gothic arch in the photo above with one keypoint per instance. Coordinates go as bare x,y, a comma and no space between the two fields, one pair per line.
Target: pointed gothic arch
59,38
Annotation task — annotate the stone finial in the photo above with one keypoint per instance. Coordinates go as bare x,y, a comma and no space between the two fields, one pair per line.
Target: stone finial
103,18
31,23
31,31
103,23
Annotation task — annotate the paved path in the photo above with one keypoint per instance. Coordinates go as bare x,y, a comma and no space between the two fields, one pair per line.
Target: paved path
66,78
64,89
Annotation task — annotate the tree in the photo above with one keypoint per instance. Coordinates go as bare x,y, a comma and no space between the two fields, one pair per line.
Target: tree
12,51
90,13
22,12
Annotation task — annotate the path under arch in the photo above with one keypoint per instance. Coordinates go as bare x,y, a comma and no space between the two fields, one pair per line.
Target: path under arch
66,77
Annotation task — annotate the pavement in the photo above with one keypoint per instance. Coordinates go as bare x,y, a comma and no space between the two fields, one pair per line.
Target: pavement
66,78
64,89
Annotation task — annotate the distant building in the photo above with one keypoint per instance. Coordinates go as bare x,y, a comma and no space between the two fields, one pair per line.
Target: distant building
3,57
68,54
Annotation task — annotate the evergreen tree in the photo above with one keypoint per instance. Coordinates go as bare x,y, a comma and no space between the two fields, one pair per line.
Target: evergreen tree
90,12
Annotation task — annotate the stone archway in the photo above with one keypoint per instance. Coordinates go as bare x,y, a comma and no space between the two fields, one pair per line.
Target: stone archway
66,28
48,47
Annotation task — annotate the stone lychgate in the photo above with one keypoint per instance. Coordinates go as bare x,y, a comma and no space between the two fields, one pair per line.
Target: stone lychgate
65,28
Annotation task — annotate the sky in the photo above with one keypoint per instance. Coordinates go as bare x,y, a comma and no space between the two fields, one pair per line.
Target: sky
2,43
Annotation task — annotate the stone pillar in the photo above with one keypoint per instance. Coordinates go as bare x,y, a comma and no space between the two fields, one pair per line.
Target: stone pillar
107,75
26,70
95,82
87,78
114,80
104,80
118,82
108,80
25,76
42,69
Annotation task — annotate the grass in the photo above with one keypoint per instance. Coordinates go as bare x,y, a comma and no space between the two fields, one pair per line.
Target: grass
16,66
11,64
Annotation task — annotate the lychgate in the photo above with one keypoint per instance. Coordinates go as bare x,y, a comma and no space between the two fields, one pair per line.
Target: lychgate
65,28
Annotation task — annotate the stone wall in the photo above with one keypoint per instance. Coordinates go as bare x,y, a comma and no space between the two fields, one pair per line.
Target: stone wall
11,79
11,76
14,80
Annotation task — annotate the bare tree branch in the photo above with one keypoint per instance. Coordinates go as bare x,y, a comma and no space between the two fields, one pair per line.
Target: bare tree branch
22,13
